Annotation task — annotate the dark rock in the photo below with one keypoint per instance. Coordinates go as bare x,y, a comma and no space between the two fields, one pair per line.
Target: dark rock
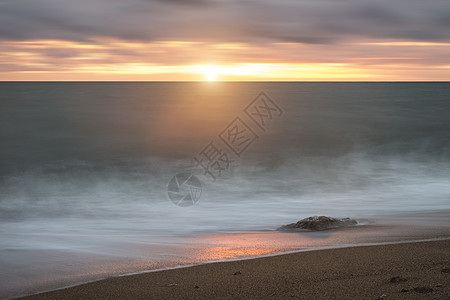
404,290
237,273
446,270
317,223
196,287
397,279
438,285
423,290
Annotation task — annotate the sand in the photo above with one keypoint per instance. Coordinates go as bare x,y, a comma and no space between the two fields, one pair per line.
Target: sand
421,269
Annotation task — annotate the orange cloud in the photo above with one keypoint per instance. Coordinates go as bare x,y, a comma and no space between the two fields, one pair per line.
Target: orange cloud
187,60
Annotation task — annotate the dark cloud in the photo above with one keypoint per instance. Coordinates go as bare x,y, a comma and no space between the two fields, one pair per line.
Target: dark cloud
443,19
304,21
185,2
307,39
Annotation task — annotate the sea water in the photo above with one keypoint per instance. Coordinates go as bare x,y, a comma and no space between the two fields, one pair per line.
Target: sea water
85,166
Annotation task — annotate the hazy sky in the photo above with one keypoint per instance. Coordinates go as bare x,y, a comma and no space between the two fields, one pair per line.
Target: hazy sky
226,39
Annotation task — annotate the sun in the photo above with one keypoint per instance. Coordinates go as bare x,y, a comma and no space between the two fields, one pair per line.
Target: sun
210,72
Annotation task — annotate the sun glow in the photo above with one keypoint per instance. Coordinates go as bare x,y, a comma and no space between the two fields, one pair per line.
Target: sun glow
102,60
210,72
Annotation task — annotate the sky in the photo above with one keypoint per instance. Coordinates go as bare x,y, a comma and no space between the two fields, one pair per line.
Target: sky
250,40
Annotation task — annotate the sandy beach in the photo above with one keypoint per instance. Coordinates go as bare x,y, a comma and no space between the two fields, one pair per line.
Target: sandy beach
418,270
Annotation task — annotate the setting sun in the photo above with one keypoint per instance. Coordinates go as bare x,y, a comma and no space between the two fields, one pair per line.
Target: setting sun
210,72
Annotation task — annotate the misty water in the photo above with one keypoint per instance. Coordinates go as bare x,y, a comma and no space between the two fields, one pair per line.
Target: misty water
84,166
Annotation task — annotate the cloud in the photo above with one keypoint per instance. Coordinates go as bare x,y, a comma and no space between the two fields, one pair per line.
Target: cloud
185,2
303,21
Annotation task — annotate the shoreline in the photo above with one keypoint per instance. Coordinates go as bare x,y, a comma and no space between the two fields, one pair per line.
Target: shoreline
345,246
194,251
437,252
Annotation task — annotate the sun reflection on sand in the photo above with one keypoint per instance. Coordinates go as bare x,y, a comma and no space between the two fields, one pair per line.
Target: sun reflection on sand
222,253
216,247
240,245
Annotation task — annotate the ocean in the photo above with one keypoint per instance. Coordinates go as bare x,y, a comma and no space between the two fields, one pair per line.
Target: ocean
85,166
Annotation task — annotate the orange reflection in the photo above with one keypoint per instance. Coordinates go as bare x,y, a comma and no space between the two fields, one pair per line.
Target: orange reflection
241,245
222,253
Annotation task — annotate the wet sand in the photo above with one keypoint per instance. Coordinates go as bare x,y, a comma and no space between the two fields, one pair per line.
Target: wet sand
421,269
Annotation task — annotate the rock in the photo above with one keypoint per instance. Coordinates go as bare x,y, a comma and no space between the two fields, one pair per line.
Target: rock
446,270
404,290
196,287
171,284
317,223
423,290
237,273
438,285
397,279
